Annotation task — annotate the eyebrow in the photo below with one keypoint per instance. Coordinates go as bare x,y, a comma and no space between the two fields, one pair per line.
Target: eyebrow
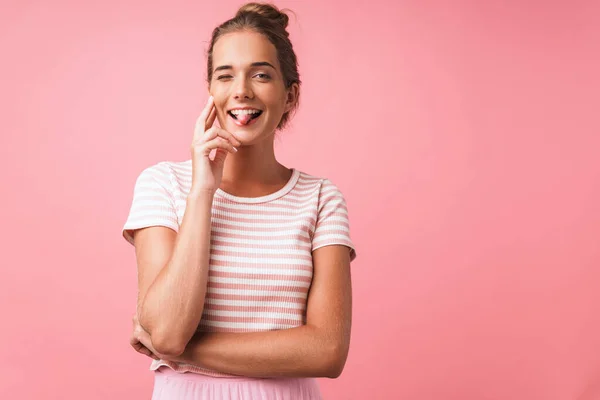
254,64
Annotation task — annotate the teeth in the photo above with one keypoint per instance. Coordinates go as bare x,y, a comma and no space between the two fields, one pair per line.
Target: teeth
239,112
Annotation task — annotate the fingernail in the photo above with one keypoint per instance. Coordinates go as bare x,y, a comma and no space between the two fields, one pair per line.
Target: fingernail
210,98
234,149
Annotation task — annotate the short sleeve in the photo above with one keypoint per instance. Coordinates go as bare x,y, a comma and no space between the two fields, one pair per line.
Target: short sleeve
153,202
332,225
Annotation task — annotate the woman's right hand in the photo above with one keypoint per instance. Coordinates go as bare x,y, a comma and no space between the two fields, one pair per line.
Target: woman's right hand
135,341
207,173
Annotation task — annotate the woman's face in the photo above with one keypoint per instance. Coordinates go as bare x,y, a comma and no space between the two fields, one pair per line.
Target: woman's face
248,87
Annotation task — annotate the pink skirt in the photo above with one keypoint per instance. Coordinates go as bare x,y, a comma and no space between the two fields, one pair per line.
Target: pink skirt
172,385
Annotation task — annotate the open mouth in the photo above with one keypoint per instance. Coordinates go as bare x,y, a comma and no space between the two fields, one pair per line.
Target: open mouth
244,117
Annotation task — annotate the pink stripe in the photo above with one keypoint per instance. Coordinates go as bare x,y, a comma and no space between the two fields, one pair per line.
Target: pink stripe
327,231
261,256
246,286
249,298
218,206
337,223
208,328
300,238
272,266
267,208
271,309
291,223
258,276
283,227
265,246
256,320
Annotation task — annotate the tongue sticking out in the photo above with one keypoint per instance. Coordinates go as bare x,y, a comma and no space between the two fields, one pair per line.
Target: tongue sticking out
244,118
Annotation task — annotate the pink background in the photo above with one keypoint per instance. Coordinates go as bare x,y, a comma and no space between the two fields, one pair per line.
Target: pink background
463,134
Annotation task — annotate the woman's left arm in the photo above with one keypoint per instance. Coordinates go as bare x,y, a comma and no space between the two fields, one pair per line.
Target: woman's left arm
317,349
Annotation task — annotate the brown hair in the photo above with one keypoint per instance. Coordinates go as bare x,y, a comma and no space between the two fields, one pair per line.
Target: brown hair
271,22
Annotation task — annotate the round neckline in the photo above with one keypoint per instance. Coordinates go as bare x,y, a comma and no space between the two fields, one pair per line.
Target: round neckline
263,199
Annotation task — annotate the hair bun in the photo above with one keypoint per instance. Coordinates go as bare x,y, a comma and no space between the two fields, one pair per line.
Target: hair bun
265,10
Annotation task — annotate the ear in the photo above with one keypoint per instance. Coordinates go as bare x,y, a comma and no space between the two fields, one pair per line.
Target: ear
291,97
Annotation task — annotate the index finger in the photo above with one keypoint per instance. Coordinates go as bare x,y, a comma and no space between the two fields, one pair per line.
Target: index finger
211,118
201,121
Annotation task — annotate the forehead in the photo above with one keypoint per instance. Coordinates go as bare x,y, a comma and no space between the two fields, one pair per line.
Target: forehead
240,49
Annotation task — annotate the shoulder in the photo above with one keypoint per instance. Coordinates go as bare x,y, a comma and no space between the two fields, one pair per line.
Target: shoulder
166,173
320,183
322,186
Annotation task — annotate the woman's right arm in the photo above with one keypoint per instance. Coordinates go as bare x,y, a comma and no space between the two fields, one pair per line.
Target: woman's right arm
172,275
173,267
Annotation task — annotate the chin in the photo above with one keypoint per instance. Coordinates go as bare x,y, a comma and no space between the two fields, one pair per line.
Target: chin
249,135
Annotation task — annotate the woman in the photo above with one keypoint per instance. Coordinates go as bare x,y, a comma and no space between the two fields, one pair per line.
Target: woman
243,263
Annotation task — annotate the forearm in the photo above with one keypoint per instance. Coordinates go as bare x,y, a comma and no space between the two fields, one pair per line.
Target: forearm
173,305
304,351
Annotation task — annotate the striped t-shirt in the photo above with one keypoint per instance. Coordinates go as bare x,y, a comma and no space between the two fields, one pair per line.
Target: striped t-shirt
260,267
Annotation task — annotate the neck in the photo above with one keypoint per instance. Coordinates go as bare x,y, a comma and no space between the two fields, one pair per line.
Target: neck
253,170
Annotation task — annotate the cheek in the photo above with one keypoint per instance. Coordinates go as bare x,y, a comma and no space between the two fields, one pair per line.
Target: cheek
219,93
220,102
273,100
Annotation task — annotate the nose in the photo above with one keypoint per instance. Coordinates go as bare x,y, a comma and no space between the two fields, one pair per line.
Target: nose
242,90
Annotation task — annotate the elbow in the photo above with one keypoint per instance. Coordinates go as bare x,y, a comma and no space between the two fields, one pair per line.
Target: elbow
168,345
335,360
167,351
166,341
334,370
